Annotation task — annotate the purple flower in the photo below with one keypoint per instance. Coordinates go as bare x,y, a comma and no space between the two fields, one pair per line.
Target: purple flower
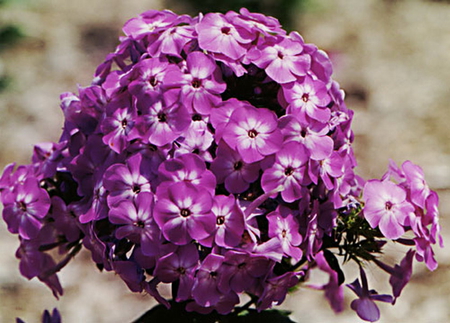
201,85
25,207
179,265
386,207
55,317
258,23
230,169
276,289
308,99
160,124
285,227
281,60
240,271
148,22
197,140
117,128
365,306
205,290
288,171
400,274
334,291
173,39
217,34
313,135
188,168
131,273
416,181
126,181
148,76
229,222
253,133
183,212
137,222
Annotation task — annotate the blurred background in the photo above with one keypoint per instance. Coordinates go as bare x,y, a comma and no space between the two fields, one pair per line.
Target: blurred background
392,57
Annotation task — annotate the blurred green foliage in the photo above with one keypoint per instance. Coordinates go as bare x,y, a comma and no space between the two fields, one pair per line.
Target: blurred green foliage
286,11
10,34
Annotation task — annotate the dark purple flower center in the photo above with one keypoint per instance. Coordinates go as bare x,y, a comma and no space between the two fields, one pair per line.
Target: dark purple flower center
197,117
252,133
153,81
242,265
185,213
136,188
196,83
139,224
213,274
283,233
220,220
225,30
238,165
181,270
280,55
124,123
388,205
22,206
305,97
289,171
162,117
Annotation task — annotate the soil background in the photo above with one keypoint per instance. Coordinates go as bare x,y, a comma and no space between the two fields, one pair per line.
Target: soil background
391,57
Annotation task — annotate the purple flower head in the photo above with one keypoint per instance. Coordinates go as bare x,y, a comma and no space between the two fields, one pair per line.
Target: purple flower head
214,153
253,133
183,212
365,305
386,207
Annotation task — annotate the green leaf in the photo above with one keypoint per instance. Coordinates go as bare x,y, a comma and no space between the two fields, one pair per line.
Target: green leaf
9,35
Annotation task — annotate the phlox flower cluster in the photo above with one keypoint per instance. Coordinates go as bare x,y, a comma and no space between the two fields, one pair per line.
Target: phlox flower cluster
213,154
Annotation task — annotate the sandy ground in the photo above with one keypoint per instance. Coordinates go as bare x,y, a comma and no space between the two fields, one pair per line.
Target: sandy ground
391,57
